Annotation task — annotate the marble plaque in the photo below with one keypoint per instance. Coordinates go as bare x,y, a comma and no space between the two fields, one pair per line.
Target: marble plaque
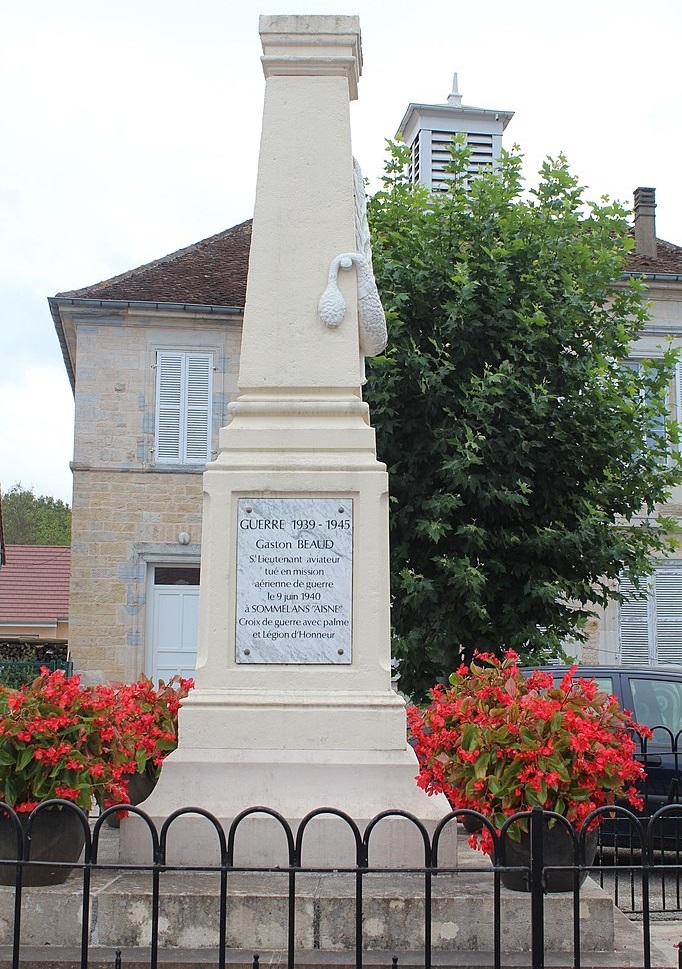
294,580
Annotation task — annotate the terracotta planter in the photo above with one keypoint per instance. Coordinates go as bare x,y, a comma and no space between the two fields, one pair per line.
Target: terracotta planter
57,835
558,848
140,786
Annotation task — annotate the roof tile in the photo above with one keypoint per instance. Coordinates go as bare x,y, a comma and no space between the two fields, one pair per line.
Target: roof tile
34,583
211,272
668,260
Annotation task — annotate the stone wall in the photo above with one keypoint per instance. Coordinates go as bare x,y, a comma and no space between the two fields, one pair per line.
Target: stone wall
127,511
121,522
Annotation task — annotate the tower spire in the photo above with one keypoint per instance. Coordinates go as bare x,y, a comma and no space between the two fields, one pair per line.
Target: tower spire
454,97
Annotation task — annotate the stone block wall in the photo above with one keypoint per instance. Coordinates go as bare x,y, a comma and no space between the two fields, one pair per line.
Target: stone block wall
116,380
127,511
121,523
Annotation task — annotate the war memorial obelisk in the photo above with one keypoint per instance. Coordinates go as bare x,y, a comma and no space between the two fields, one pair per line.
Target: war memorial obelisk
293,707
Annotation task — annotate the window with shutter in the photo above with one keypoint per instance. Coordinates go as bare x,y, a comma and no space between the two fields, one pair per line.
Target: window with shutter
658,427
651,619
668,615
634,625
183,406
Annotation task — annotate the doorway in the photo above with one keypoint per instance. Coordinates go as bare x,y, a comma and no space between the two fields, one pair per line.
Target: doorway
174,621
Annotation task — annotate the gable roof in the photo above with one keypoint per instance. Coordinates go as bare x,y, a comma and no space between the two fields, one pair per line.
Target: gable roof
211,272
34,584
2,535
668,260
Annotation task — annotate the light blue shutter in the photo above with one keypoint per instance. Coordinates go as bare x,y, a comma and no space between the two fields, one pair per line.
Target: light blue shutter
668,615
635,626
199,375
183,406
169,381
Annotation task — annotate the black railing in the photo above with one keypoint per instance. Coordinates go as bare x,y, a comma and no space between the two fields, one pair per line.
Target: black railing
628,847
14,673
437,884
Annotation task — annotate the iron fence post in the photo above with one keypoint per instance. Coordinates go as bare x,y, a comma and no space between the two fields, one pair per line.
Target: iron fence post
537,898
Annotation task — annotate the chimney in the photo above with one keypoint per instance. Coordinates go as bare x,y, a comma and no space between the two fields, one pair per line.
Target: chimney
645,222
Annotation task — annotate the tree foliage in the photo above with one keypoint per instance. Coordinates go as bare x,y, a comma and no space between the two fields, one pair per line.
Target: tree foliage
31,520
517,441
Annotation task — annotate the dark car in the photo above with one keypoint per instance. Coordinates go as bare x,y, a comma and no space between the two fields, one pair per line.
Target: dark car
654,697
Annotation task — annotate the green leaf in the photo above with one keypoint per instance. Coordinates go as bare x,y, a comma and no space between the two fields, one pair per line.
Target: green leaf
481,766
24,759
470,736
141,759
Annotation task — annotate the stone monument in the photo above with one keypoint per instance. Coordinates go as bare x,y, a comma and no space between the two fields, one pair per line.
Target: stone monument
293,707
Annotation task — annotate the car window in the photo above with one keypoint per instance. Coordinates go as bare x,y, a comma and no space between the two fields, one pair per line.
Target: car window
657,703
605,683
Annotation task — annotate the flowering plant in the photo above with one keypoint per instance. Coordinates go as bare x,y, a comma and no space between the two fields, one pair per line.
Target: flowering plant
59,739
147,718
500,743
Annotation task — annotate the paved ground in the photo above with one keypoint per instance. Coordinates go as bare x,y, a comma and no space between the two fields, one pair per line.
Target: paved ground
666,935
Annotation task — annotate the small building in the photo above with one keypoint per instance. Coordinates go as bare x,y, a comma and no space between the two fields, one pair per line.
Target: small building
34,594
2,536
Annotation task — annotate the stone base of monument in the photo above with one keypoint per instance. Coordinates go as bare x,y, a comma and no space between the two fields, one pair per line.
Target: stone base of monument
257,914
257,918
362,784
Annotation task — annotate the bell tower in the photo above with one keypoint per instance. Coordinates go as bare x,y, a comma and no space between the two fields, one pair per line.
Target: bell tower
428,129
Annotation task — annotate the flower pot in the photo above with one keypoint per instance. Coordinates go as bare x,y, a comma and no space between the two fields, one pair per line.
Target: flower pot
558,849
140,786
57,835
471,823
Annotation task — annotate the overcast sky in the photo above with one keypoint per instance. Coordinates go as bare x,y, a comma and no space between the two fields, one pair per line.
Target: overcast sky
130,130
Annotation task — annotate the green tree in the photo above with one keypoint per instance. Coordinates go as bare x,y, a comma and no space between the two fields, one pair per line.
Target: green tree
517,442
31,520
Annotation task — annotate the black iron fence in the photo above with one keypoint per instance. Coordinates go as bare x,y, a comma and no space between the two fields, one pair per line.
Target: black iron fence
14,673
650,839
434,913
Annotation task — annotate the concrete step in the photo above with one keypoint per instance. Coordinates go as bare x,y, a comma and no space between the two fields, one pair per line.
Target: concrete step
257,913
257,918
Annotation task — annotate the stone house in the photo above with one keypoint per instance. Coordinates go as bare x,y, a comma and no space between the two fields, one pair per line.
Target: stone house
153,359
34,594
647,628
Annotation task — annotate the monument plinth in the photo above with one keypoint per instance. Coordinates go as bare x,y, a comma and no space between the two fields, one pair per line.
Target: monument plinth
293,707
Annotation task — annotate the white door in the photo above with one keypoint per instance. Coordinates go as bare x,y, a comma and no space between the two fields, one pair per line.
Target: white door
175,619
